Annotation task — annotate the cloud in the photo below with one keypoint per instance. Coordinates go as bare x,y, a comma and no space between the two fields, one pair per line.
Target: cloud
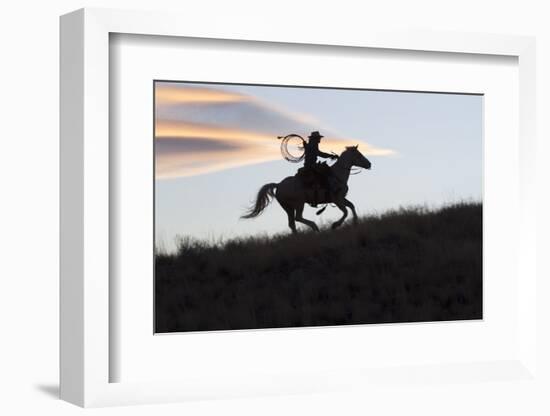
227,109
202,130
179,130
172,93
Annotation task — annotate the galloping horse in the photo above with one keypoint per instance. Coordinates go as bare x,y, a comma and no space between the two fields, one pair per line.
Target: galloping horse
292,195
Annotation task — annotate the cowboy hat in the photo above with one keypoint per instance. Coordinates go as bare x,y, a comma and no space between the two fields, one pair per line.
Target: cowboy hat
315,135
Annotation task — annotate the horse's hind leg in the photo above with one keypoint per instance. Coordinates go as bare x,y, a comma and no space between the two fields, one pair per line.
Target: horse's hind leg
350,205
300,218
290,213
341,205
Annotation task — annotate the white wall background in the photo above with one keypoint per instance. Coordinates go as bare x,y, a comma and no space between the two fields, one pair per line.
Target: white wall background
29,208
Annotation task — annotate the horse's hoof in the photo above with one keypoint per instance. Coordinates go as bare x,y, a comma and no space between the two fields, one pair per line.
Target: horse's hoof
334,226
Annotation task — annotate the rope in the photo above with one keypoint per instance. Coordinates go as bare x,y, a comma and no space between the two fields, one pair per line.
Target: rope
288,139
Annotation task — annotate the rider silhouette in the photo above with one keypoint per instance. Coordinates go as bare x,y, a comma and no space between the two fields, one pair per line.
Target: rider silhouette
320,172
312,151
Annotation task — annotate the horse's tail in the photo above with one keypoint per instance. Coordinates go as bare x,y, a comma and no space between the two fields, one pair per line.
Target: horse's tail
263,199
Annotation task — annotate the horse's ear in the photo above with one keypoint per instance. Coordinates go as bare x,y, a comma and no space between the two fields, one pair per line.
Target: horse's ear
357,146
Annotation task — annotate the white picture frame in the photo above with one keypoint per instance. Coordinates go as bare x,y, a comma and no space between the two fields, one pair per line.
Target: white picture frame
85,220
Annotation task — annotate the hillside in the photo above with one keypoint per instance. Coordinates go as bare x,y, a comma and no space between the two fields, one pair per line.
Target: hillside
406,265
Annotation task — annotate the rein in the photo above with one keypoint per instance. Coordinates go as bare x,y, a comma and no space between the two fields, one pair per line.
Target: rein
353,170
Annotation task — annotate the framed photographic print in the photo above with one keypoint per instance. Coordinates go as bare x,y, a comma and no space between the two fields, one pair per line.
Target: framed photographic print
282,213
221,267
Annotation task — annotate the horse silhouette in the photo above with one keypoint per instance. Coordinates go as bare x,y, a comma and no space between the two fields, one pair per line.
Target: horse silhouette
292,194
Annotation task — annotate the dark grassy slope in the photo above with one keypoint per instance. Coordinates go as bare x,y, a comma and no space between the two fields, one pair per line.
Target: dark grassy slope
407,265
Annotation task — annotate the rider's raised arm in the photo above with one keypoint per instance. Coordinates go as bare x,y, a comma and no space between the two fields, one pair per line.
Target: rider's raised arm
324,155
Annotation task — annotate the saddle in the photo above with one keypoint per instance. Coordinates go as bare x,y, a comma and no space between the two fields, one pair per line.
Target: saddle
317,175
316,180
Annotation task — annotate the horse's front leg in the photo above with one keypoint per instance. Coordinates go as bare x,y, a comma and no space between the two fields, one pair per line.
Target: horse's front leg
300,218
341,205
350,205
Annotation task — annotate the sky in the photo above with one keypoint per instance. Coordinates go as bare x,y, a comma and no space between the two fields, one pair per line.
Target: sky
216,145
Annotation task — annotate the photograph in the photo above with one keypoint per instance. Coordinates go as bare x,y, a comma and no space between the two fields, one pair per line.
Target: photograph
285,206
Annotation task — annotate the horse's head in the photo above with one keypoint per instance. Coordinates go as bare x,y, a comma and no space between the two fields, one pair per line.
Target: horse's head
355,157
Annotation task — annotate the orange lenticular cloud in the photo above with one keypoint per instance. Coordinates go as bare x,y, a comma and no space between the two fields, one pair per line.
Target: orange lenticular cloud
216,148
180,130
202,129
166,94
177,165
